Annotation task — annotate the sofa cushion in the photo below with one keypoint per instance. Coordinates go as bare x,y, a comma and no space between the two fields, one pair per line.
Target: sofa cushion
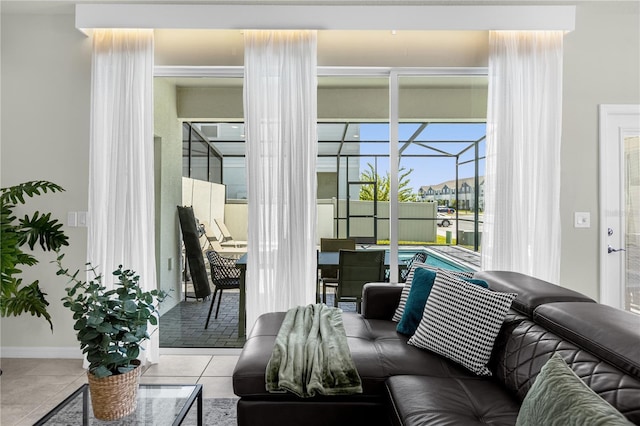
377,349
380,300
603,330
558,396
397,316
424,400
531,291
461,322
529,346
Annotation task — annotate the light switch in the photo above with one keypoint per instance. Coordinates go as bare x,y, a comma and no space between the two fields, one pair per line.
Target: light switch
72,219
82,218
582,220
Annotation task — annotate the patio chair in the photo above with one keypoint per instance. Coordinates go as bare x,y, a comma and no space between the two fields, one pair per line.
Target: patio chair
224,276
329,276
419,257
227,238
356,268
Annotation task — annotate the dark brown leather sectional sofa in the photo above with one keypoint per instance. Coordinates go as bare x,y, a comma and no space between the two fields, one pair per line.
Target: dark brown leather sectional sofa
404,385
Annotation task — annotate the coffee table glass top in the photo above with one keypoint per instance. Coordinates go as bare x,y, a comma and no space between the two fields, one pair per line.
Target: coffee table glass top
157,405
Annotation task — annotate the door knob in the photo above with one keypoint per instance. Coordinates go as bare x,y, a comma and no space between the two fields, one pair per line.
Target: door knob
612,250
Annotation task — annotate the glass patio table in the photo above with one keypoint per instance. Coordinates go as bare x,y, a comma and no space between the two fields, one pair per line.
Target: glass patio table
157,405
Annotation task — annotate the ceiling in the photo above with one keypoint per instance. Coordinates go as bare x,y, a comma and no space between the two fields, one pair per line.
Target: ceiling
335,48
67,6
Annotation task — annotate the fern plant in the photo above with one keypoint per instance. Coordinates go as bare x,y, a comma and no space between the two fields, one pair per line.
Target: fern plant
18,297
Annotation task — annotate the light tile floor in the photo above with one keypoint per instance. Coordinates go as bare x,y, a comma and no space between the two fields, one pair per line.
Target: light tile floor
29,388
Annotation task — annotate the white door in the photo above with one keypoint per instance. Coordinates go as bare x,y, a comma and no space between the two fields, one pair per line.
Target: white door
620,206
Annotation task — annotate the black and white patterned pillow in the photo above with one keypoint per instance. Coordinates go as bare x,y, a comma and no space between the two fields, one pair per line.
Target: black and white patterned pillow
397,316
461,322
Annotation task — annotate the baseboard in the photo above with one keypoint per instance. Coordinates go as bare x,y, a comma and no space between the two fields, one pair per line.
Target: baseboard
75,353
40,352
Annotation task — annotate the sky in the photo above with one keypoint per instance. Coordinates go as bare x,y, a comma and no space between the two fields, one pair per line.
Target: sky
441,136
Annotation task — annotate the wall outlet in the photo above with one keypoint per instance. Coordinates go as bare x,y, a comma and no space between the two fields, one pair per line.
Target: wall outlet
582,220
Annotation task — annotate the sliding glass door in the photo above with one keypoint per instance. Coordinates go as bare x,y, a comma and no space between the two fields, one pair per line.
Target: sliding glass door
400,163
437,132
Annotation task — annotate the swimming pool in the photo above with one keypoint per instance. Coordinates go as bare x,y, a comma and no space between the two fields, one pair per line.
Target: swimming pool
435,259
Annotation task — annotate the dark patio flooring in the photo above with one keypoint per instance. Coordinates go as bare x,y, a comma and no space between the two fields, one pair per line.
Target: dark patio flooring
183,325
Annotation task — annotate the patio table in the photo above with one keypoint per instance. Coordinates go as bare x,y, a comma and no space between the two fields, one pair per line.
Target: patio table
326,259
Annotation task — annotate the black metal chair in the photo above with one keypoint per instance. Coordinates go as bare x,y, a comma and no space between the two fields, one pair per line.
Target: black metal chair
356,268
329,276
224,276
419,257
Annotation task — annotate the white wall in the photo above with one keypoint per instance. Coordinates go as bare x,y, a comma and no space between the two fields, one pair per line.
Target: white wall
325,214
224,103
412,228
601,66
168,190
46,70
236,217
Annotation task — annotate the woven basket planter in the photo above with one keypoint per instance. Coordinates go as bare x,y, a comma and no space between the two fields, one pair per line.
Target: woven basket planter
114,397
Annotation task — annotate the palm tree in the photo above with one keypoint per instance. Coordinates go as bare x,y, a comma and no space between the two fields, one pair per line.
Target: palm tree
405,193
17,297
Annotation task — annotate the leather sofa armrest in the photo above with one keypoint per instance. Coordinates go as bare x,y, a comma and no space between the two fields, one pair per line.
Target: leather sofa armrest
380,300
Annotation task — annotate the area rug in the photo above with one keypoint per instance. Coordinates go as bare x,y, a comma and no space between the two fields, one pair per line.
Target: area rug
215,411
218,411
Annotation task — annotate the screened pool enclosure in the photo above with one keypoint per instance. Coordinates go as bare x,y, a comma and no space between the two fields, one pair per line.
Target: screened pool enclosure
441,182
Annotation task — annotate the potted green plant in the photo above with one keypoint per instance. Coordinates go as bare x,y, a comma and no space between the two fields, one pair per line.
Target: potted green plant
111,325
18,297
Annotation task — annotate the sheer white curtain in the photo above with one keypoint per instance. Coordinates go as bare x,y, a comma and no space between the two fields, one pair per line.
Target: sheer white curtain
280,110
522,181
121,184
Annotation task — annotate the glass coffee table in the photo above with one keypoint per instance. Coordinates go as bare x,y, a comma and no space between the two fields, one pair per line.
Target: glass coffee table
157,405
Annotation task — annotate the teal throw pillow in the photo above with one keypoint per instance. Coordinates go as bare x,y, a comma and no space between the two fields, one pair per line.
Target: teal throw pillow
476,281
421,285
560,398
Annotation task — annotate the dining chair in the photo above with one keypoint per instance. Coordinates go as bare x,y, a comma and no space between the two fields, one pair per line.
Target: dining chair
355,269
329,276
224,276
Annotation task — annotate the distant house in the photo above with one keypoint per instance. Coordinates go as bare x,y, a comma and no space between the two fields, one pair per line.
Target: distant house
445,194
